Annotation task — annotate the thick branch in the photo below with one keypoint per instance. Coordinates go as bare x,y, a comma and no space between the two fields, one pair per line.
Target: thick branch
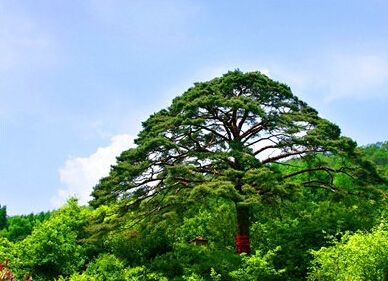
322,168
320,184
208,171
285,155
233,124
212,131
252,130
242,121
265,148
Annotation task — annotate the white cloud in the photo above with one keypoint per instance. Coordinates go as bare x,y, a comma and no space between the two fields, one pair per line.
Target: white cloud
80,174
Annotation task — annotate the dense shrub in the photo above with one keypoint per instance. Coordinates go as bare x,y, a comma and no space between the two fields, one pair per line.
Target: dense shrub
358,256
53,247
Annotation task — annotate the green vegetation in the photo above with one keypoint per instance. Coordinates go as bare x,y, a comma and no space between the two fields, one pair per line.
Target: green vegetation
17,228
358,256
238,155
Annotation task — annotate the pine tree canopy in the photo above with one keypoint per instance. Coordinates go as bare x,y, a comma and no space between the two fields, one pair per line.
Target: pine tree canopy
227,137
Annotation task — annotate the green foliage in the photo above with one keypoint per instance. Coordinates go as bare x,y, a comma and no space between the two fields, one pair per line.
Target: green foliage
53,249
298,226
257,267
193,277
19,227
213,220
189,260
108,267
105,267
378,154
7,250
3,217
358,256
140,273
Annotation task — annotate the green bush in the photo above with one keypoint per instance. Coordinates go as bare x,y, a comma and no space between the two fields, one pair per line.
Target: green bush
53,247
257,267
359,256
108,267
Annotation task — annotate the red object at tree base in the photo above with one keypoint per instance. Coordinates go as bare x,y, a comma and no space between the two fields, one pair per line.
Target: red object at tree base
243,244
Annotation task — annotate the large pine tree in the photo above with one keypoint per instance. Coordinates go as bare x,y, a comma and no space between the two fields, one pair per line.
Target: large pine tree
225,137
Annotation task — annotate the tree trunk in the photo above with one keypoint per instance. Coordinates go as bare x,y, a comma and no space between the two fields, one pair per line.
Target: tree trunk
242,238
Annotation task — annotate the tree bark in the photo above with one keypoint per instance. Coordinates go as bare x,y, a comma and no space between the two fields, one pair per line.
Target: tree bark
243,223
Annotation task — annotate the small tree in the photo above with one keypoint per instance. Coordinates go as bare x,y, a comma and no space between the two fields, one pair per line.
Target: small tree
226,137
3,217
54,248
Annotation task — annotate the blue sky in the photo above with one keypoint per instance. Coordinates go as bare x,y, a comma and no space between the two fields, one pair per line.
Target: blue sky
77,78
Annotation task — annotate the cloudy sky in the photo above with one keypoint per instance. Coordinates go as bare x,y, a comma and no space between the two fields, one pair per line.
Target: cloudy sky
77,78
